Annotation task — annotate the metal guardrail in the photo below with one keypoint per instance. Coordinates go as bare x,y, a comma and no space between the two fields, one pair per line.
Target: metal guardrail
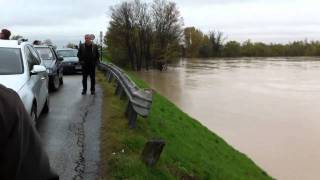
139,100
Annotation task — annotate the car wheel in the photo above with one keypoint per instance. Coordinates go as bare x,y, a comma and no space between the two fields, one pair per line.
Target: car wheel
55,83
34,117
46,107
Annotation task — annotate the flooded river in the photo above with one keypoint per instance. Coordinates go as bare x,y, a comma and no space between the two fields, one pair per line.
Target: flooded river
267,108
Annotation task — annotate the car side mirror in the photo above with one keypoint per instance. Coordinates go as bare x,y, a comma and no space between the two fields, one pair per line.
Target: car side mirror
60,58
38,69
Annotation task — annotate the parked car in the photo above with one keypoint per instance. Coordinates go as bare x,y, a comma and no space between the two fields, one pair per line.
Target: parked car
21,70
70,61
53,63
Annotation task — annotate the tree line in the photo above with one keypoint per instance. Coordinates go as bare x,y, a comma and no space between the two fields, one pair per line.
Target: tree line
149,35
198,44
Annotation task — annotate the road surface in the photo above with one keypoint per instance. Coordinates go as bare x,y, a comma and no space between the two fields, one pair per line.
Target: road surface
70,132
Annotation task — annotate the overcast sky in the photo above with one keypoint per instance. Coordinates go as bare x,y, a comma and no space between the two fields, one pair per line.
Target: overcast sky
259,20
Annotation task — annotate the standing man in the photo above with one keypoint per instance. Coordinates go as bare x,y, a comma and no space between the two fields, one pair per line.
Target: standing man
5,34
88,55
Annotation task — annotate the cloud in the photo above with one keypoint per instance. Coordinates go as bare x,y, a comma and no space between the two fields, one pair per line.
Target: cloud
64,21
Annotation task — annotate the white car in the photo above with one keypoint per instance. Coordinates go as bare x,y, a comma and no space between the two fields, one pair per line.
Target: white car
22,70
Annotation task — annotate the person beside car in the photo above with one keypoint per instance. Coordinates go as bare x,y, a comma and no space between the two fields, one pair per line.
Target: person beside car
21,152
88,55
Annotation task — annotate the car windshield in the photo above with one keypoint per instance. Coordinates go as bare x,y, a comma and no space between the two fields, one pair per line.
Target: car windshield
11,62
67,53
45,53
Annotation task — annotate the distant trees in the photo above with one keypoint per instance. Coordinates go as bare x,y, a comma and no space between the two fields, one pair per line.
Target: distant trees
142,35
232,49
193,39
71,45
216,39
197,44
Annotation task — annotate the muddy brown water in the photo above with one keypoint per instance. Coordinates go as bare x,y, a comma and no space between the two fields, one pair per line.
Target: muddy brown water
267,108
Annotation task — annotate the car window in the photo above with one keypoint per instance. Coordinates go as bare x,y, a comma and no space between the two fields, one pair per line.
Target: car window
67,53
54,54
11,61
45,53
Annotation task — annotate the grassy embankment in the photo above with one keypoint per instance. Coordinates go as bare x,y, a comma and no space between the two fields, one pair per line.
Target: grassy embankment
191,152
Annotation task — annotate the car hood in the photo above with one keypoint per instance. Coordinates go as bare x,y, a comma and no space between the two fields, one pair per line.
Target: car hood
48,63
14,82
70,59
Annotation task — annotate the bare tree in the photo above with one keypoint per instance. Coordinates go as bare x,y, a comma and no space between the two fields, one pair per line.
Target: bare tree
143,26
216,39
122,20
168,28
135,36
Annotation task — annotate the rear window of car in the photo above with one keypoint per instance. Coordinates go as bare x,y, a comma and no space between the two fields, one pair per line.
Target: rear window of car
45,53
10,61
67,53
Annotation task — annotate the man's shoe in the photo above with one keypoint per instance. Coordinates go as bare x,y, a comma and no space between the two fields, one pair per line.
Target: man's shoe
93,93
84,92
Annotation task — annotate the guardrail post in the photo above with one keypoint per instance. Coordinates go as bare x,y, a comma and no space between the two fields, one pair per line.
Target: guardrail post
128,109
131,114
122,94
110,77
119,91
117,88
132,119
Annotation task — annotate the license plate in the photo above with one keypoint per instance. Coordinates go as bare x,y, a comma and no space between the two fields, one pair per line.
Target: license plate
78,67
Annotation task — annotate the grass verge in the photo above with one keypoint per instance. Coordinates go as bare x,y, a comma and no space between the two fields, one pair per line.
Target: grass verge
191,151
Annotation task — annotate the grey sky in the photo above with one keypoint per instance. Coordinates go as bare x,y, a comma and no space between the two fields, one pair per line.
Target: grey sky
258,20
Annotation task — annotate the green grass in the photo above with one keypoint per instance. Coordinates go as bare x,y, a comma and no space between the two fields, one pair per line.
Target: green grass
191,151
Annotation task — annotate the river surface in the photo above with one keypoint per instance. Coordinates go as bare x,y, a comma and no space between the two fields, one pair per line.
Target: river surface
267,108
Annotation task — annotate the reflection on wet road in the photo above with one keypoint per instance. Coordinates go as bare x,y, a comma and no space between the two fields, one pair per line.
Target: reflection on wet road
71,130
268,108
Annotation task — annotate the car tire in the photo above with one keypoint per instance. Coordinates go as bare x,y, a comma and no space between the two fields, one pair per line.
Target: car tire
46,107
33,115
55,84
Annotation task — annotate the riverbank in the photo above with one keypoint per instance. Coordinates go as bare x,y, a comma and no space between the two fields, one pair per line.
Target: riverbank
191,152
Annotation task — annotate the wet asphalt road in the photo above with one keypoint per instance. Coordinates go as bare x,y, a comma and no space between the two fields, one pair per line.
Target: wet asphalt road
70,132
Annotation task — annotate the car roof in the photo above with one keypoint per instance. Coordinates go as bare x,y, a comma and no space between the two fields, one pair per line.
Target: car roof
12,43
9,43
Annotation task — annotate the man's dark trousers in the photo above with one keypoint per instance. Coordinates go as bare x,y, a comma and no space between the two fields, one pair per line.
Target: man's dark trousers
88,70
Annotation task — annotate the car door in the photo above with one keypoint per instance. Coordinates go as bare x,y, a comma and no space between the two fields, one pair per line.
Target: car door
42,80
34,81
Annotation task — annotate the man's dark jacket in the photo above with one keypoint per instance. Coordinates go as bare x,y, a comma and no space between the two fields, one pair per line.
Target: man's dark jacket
21,153
88,54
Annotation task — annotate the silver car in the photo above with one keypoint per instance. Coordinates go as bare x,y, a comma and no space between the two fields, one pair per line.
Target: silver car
22,70
70,61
